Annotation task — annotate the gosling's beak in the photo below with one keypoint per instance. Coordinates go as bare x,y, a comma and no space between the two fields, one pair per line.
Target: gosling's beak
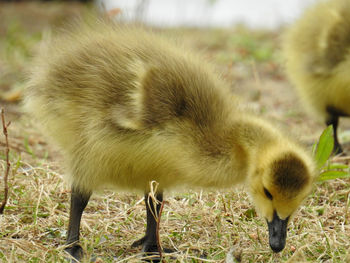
277,233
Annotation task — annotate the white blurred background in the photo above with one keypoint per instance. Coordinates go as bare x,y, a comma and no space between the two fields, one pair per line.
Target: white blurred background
213,13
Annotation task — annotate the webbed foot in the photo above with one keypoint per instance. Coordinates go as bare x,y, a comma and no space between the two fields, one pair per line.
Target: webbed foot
76,253
150,249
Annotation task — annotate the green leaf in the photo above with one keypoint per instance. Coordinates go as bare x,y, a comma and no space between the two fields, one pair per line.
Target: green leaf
329,175
324,147
337,166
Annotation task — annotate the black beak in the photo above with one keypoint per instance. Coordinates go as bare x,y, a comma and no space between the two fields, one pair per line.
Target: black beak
277,233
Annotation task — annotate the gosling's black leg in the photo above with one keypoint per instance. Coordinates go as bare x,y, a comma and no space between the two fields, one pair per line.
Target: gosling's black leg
333,120
149,241
77,206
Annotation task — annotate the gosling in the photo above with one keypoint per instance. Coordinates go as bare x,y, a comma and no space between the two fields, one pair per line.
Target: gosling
128,107
317,51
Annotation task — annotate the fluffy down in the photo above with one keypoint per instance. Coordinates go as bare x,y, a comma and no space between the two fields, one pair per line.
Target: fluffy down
127,107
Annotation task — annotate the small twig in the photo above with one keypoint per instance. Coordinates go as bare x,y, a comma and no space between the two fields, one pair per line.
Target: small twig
152,195
7,150
154,187
157,232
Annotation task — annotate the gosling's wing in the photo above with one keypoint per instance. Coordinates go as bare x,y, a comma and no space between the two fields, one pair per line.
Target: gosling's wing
171,90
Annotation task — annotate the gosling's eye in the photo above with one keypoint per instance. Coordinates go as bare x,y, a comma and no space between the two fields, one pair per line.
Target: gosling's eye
268,194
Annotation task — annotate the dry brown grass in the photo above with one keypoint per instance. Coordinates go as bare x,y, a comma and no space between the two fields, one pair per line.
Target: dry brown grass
203,226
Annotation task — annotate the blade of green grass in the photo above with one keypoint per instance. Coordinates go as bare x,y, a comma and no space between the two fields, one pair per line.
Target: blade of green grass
324,147
329,175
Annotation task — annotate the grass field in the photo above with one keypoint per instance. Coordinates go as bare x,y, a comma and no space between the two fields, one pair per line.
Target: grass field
204,226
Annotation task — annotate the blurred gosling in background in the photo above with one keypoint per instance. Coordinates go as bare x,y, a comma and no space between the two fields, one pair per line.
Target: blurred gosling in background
317,50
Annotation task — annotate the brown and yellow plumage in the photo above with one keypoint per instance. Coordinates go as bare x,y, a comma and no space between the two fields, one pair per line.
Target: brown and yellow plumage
127,107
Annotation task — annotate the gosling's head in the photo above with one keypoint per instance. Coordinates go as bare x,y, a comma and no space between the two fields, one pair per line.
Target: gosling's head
281,181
